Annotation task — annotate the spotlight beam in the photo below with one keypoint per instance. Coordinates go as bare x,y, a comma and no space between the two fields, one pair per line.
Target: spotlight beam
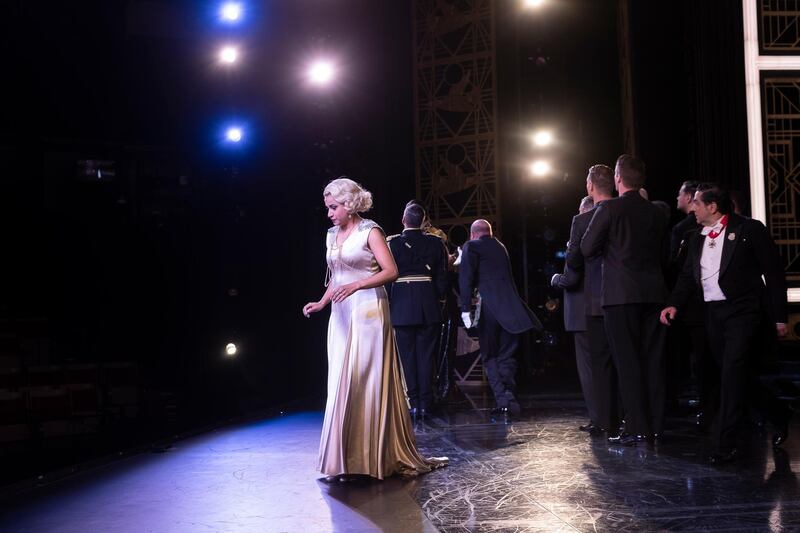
321,72
228,54
231,12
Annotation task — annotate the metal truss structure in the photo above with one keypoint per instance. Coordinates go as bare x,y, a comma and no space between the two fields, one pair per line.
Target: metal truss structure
455,97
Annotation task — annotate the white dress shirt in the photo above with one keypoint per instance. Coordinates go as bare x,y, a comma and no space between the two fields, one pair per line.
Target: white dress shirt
710,261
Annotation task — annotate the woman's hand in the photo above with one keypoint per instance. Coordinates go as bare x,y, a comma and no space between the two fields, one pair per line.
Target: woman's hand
312,307
341,293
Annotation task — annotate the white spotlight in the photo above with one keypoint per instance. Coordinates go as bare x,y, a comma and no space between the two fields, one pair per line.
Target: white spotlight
533,3
540,168
231,11
320,72
542,138
230,349
234,134
228,54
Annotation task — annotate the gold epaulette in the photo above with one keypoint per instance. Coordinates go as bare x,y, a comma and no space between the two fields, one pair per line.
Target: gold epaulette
390,237
436,232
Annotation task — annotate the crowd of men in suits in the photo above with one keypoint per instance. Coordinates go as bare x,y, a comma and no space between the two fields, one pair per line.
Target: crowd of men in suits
716,277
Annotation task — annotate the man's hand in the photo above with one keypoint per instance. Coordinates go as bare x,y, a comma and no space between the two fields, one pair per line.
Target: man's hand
781,328
668,314
457,260
466,318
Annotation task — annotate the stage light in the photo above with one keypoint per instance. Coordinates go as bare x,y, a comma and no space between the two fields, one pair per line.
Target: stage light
321,72
542,138
540,168
230,349
231,12
534,3
234,134
228,54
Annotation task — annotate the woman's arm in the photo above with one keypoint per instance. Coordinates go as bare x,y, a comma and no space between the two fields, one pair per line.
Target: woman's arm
387,273
314,307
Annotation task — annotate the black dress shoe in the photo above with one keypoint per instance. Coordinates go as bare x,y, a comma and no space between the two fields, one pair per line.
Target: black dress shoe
718,458
626,439
781,434
587,427
514,408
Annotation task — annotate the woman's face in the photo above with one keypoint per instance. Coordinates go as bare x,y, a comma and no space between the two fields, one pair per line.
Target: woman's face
336,211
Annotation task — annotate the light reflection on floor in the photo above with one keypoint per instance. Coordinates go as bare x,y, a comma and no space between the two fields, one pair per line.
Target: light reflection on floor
537,473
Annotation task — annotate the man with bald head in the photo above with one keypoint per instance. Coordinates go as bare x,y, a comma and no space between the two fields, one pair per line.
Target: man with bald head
503,317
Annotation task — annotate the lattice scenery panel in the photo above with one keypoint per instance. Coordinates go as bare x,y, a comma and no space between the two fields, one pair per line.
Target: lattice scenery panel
781,102
779,29
455,95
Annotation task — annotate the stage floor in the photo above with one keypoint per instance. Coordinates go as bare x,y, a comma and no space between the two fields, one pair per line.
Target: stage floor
536,474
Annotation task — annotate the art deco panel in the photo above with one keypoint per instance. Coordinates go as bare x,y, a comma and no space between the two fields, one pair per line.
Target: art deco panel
781,107
455,97
779,28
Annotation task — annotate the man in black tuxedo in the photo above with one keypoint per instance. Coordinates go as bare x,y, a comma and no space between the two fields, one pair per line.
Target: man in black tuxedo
683,229
572,282
628,232
600,186
726,262
504,316
689,338
415,304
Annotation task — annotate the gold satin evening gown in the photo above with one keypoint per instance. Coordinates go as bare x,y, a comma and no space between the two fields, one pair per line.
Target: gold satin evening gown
367,427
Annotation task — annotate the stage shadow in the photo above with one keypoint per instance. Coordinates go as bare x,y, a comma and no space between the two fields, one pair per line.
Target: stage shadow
373,505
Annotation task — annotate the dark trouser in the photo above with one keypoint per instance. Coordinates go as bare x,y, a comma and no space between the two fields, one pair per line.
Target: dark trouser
417,345
733,330
637,339
498,347
690,363
704,368
604,375
583,361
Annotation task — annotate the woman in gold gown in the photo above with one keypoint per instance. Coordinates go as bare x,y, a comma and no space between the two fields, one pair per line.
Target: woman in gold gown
367,428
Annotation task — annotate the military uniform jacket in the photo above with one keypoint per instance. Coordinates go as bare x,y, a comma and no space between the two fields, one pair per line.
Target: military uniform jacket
414,298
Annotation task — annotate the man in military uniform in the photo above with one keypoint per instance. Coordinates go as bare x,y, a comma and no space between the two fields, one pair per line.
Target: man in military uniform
414,302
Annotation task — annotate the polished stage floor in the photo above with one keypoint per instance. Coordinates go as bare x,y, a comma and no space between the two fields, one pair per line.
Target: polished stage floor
535,474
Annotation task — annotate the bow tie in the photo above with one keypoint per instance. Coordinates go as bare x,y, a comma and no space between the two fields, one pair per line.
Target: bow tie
714,231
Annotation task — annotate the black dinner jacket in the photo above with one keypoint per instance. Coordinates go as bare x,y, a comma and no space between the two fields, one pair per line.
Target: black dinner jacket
679,236
592,266
485,265
417,303
629,232
748,253
572,280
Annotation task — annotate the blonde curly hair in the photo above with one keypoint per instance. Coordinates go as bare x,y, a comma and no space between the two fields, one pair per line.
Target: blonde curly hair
354,197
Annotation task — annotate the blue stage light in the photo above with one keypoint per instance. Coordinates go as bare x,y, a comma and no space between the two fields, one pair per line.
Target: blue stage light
234,134
231,12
